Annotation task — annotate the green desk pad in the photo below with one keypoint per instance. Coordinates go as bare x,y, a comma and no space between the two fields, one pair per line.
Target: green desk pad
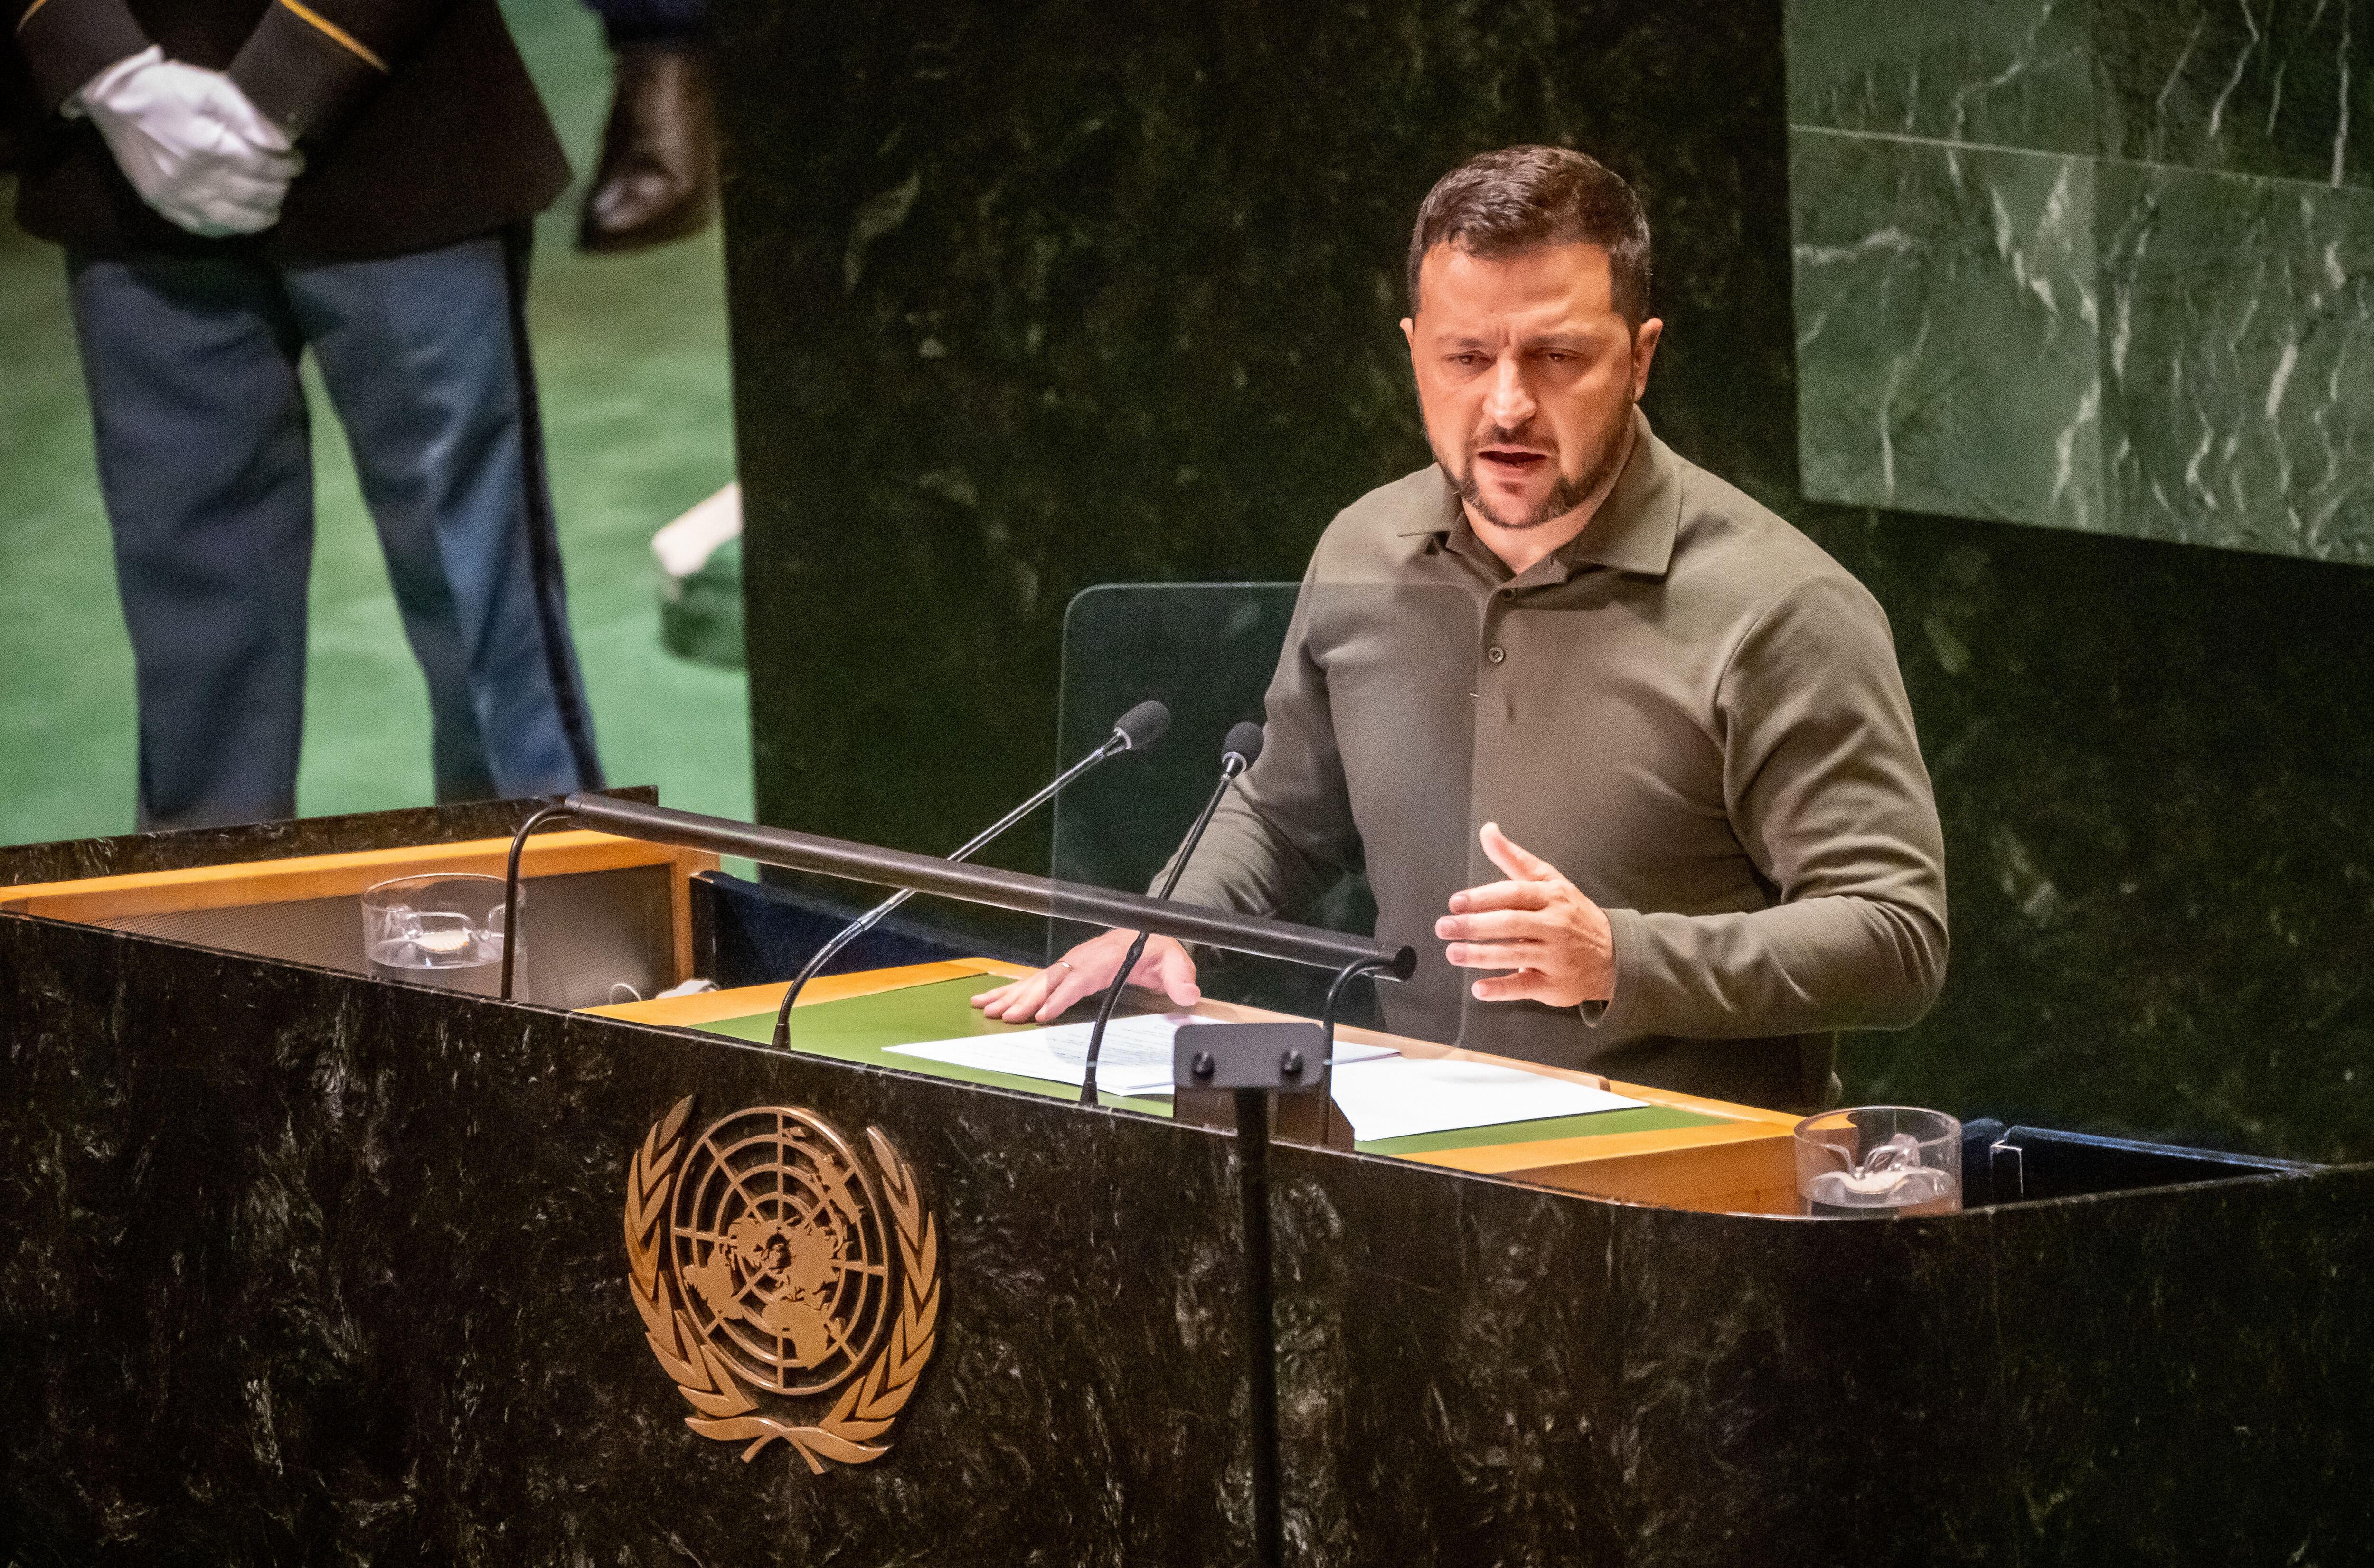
859,1028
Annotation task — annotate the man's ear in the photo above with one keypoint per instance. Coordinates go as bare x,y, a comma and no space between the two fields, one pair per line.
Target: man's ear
1645,339
1409,336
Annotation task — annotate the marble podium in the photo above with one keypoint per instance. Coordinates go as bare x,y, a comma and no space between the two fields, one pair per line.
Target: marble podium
304,1265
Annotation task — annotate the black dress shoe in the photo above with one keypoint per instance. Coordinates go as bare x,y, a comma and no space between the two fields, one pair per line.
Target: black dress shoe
658,176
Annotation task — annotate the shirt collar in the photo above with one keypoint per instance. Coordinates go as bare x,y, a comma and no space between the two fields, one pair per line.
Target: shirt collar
1633,530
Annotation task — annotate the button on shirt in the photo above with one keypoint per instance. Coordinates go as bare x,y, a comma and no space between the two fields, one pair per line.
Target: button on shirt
1689,709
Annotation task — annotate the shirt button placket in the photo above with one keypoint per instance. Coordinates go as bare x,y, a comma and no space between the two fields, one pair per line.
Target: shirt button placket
1495,611
1500,708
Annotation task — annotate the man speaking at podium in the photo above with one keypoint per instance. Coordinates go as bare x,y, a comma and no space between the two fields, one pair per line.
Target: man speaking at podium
1597,726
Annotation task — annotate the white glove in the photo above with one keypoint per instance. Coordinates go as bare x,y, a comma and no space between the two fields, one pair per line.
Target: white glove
191,143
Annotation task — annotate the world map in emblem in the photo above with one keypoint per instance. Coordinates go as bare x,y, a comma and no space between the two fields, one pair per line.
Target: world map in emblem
777,1236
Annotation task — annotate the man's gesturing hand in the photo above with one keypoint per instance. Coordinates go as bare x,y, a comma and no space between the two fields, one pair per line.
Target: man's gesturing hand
1536,924
1088,969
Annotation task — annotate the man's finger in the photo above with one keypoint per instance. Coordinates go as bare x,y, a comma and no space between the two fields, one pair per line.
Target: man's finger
1521,863
1493,954
1067,992
1016,999
999,995
1501,896
1525,985
1496,925
1169,970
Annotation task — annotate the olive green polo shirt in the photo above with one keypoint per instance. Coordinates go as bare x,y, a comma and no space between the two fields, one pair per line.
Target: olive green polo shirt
1689,709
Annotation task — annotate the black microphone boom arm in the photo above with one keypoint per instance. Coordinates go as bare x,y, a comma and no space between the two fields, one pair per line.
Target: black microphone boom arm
1137,728
1256,935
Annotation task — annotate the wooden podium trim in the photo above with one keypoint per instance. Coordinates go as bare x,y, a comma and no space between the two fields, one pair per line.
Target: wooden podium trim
347,875
748,1001
1746,1164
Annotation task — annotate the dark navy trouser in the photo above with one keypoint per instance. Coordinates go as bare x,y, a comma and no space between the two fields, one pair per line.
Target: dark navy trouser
206,469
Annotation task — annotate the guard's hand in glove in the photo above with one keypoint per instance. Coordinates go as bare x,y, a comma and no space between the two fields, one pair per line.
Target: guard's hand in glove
191,143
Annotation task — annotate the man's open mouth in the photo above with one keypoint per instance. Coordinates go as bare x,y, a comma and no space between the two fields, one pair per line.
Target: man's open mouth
1511,460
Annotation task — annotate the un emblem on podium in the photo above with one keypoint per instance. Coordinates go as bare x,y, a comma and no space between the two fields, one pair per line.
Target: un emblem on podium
775,1271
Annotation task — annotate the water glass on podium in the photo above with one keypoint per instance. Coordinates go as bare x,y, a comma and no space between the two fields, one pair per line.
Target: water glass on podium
443,929
1875,1161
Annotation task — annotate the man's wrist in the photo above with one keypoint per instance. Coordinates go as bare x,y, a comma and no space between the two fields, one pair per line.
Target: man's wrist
104,81
1623,939
304,75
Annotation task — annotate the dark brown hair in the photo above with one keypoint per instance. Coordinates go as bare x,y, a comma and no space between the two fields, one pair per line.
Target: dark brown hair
1506,203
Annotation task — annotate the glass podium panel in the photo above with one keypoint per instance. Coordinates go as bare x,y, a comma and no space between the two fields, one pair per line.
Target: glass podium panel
1206,650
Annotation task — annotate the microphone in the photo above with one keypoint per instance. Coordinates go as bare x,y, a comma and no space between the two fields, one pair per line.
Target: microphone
1239,751
1133,732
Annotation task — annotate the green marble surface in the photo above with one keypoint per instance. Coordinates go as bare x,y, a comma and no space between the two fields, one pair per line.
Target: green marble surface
2242,86
2004,73
2105,267
1948,342
2238,358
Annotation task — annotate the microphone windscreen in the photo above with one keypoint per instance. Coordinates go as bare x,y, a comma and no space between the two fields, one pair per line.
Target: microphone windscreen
1245,740
1142,725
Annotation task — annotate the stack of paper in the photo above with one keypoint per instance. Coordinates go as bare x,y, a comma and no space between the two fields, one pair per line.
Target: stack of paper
1408,1095
1135,1058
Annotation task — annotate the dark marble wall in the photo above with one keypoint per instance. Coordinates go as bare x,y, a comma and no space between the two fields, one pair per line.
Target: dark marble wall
1032,296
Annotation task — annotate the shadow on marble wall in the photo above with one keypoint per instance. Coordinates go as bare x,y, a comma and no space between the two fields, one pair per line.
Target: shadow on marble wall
1028,299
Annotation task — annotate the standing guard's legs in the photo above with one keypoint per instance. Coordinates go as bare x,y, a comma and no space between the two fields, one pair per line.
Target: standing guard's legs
425,358
209,480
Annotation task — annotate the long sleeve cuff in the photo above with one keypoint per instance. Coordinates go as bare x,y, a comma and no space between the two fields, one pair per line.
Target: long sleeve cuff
303,70
66,42
1805,967
1624,942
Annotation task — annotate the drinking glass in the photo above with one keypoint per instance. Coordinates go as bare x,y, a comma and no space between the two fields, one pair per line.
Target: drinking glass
1875,1161
444,928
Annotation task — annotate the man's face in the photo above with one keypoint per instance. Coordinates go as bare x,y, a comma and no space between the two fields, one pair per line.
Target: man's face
1526,374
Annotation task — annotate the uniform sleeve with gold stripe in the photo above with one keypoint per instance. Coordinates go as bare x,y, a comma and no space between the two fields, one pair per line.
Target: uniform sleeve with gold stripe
309,64
66,42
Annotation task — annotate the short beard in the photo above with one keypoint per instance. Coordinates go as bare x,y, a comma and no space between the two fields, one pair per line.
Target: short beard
1565,495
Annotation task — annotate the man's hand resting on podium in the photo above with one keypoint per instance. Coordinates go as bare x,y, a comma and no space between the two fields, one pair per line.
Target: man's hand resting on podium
1537,924
1085,971
1088,969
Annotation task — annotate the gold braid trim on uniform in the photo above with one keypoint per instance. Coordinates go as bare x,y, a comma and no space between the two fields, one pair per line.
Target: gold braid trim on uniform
337,35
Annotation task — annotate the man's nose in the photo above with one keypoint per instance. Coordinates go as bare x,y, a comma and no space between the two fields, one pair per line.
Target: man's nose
1508,401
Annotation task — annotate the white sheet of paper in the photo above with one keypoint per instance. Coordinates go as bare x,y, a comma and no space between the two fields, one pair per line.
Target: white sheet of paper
1135,1058
1408,1096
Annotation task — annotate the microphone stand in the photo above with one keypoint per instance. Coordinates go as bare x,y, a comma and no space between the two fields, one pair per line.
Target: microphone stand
1127,735
1240,758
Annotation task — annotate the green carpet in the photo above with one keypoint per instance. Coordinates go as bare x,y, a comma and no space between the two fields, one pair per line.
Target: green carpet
631,360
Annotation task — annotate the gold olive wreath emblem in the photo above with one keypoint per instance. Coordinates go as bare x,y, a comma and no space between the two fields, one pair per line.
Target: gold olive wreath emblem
758,1257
